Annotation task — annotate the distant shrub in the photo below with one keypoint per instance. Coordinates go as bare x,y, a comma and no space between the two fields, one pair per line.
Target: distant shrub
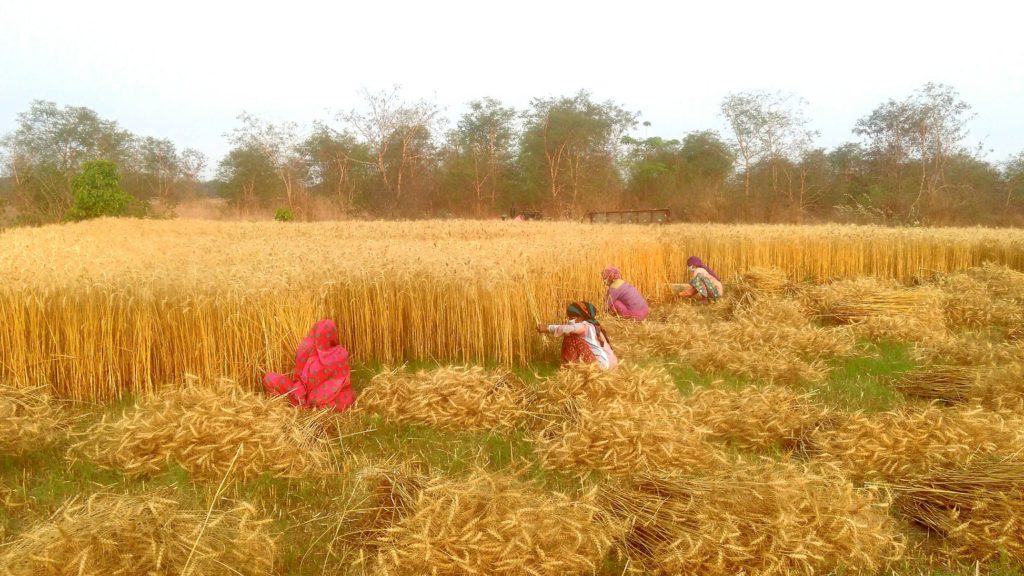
284,215
97,192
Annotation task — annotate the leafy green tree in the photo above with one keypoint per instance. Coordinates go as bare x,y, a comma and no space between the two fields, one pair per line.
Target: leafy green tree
399,134
685,176
248,177
1013,176
47,150
912,142
570,150
770,131
338,166
479,158
97,192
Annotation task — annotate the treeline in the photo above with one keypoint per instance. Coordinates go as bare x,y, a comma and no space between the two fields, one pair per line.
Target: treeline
910,161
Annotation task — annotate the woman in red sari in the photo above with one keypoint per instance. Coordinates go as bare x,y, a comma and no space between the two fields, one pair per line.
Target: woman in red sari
322,377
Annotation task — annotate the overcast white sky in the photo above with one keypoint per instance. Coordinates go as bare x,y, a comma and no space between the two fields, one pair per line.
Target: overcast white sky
184,70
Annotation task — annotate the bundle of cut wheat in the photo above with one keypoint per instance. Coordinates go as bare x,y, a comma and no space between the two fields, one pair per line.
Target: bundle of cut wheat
29,420
209,432
763,280
1004,282
910,440
756,416
117,535
939,382
967,302
978,509
851,300
896,328
759,520
622,437
489,524
880,310
457,397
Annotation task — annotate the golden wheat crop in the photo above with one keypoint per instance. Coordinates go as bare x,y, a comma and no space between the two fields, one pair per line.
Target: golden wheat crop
97,308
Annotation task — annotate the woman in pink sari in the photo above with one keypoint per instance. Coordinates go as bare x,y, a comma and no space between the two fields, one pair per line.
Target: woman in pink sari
322,377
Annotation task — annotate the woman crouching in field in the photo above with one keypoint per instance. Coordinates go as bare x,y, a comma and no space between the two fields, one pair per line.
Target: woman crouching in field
583,337
704,283
623,298
322,374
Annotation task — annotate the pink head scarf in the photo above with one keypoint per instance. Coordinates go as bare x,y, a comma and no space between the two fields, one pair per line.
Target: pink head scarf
611,274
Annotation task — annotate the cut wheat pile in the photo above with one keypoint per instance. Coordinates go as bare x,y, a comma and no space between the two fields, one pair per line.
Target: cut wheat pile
209,432
457,398
879,309
984,297
622,437
385,493
488,524
767,338
979,509
969,350
761,520
650,387
756,416
29,420
762,280
627,420
117,535
912,440
995,388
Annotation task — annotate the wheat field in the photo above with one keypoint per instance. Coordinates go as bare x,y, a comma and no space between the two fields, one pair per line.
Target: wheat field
94,309
851,406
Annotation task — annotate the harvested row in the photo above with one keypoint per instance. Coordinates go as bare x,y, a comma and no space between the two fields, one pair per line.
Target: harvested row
912,440
761,520
455,398
210,432
29,420
983,297
118,535
969,350
622,422
489,524
622,438
979,510
756,416
766,338
651,387
879,309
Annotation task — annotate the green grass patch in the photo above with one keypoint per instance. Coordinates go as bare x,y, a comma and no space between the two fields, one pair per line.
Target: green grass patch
863,382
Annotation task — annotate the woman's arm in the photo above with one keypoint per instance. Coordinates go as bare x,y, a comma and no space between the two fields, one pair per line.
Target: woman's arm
563,329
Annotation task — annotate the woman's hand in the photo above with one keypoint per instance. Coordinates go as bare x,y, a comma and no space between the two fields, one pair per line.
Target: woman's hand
542,328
